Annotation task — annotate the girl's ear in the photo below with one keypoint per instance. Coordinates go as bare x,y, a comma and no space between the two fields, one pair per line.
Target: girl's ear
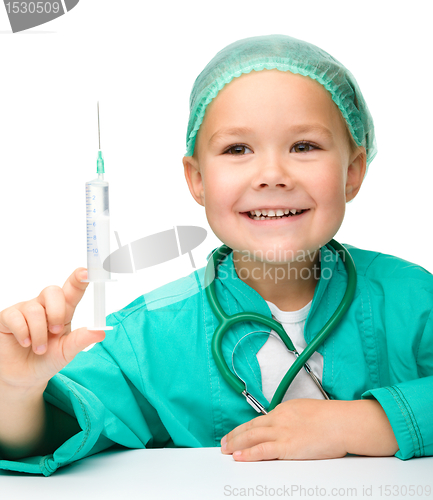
194,178
355,173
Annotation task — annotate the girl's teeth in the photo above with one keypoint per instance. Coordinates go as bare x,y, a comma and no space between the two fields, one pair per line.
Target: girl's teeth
271,214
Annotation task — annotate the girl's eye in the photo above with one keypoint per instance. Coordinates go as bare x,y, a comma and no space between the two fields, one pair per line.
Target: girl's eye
237,148
303,147
299,147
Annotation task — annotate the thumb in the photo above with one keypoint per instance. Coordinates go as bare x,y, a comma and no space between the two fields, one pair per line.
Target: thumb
76,341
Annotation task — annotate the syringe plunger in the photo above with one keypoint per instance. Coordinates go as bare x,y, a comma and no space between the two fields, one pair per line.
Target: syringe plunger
99,299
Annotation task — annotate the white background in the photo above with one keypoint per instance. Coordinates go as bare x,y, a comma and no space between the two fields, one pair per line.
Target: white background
140,60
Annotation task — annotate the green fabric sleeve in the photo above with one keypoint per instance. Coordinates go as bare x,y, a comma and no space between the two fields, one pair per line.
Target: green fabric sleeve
408,405
103,399
408,408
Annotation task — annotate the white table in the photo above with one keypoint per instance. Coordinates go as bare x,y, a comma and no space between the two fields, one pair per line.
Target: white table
205,473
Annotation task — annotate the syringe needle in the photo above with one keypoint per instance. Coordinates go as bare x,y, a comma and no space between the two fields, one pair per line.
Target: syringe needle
100,161
99,130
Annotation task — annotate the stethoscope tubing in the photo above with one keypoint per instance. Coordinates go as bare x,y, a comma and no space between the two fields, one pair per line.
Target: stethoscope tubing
324,333
226,322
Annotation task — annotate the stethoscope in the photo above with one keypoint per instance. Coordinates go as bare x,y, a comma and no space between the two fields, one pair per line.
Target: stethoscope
226,322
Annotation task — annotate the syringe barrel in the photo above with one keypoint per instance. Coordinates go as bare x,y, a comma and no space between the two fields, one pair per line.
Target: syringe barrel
98,229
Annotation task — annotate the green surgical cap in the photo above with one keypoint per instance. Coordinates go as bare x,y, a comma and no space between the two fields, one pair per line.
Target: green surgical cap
284,53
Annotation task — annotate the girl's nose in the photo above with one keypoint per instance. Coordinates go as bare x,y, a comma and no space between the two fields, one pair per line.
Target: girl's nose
274,173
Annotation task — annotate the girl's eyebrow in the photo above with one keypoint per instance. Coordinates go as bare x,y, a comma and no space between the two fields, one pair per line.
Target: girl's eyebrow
299,129
229,132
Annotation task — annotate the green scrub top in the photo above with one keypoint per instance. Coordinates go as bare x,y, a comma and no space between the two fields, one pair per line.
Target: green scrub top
153,382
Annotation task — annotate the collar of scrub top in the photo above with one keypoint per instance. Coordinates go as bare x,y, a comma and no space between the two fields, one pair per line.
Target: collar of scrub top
228,286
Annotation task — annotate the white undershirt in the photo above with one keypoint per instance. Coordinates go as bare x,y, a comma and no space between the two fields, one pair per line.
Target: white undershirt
275,360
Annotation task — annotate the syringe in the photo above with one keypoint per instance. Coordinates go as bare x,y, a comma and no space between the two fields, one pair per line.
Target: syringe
98,238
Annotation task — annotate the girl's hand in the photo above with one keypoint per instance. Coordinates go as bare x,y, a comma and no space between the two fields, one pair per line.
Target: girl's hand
311,429
28,325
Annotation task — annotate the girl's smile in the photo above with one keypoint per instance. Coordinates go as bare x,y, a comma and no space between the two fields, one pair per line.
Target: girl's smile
287,218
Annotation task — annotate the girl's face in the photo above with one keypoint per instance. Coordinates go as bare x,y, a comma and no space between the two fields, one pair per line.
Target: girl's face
289,151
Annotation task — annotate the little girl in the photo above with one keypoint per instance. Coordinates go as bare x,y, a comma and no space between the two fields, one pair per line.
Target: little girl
279,140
